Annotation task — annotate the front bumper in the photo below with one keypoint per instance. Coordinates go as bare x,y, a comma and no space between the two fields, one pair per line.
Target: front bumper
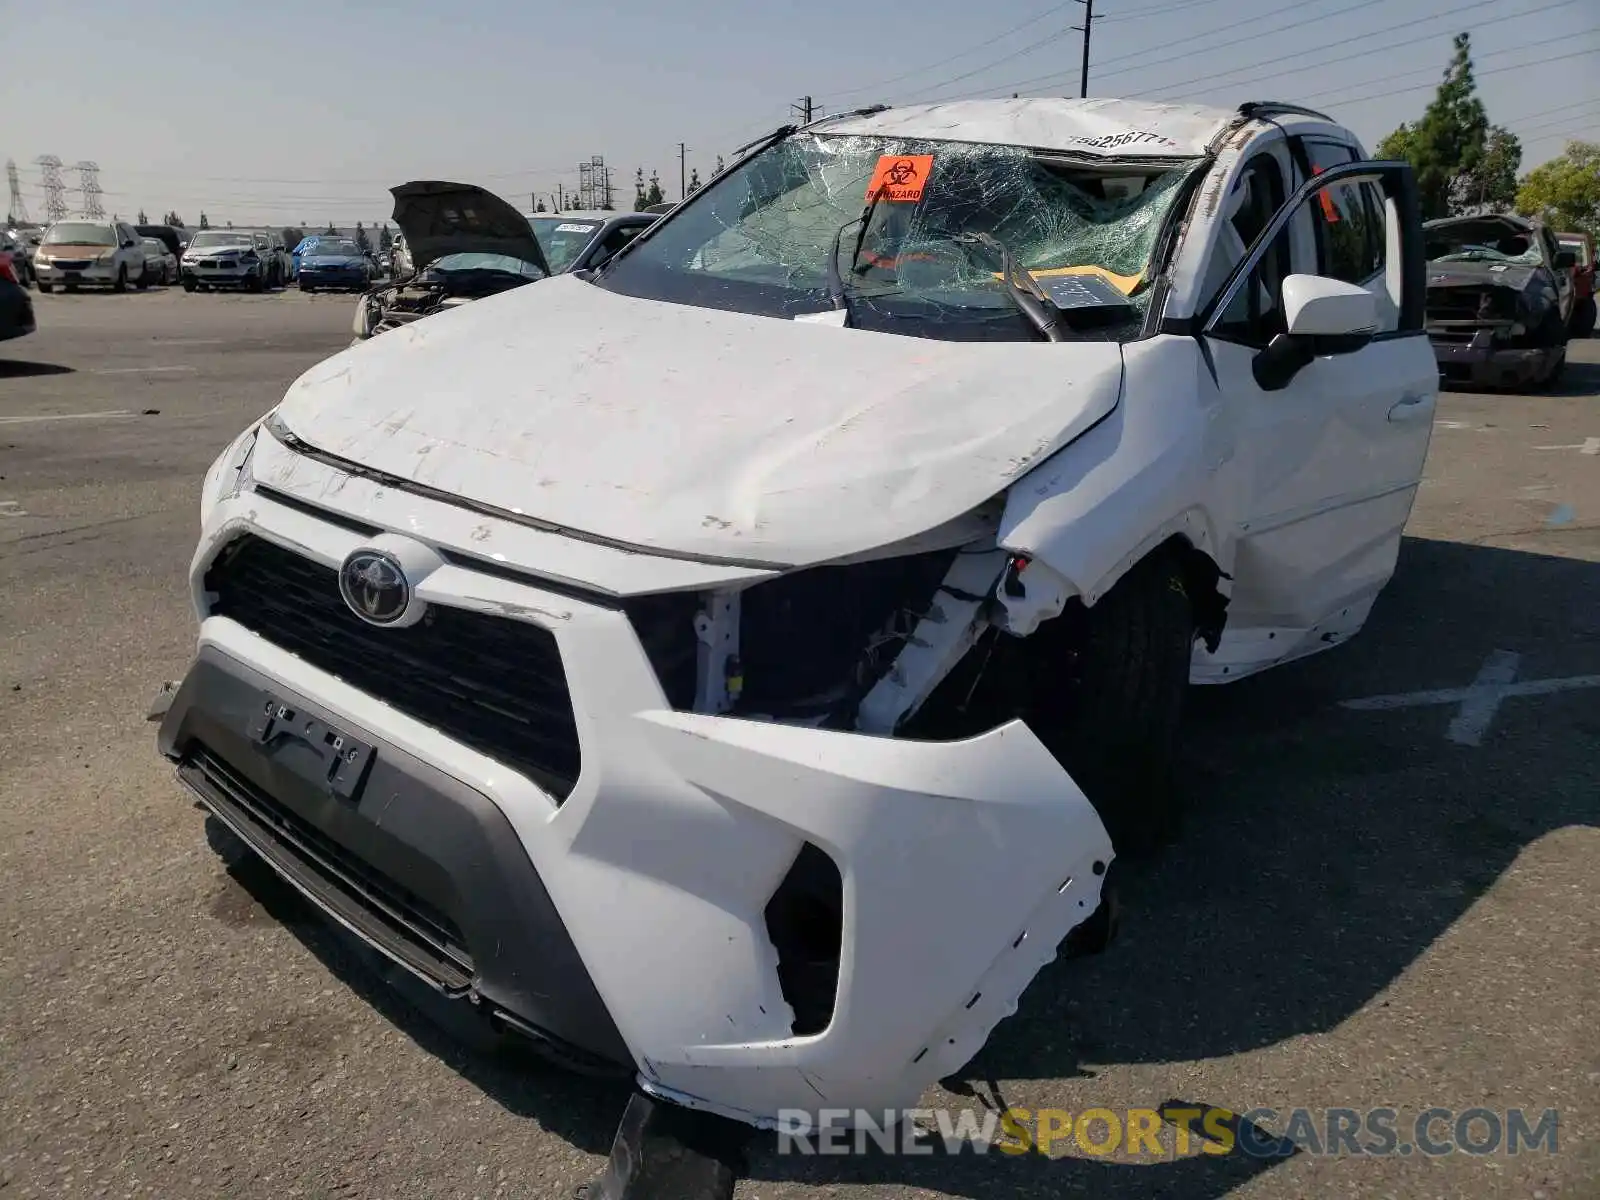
223,275
1482,363
964,864
93,274
325,278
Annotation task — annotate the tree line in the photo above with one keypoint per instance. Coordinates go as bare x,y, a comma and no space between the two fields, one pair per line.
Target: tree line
1465,165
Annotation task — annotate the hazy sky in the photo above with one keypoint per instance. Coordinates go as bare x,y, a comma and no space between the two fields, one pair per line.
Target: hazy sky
306,112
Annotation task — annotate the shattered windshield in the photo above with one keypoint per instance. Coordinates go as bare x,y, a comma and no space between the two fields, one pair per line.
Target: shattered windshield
1488,241
913,260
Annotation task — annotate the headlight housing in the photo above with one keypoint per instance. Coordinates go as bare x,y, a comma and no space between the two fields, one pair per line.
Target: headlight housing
226,476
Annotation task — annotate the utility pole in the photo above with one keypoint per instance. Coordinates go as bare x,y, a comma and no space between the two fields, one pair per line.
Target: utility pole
1088,24
683,178
806,110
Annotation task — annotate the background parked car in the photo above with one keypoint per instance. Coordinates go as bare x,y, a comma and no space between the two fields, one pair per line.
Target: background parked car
1583,299
159,261
170,236
21,264
83,252
16,306
467,243
224,258
335,263
1499,301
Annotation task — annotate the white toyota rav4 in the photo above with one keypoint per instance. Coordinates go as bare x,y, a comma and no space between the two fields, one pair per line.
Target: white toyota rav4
736,665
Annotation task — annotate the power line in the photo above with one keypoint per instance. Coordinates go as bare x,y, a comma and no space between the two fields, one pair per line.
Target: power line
999,37
1039,45
1187,42
1157,10
1431,71
1325,62
1477,74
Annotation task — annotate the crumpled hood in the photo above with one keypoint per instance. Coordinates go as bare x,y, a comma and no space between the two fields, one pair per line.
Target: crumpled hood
697,432
1476,274
439,218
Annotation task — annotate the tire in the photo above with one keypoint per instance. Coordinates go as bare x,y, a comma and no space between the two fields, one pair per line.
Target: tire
254,284
144,281
306,287
1117,731
121,285
1583,318
190,285
47,288
1553,380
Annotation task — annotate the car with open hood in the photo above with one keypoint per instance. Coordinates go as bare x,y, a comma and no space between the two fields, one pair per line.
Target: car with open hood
464,243
1500,300
741,664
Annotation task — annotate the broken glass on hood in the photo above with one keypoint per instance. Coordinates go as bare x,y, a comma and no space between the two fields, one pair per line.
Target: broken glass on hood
902,216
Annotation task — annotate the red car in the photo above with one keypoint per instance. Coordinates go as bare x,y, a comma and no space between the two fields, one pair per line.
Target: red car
1583,300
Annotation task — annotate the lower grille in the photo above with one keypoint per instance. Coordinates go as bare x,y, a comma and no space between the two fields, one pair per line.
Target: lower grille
386,914
490,683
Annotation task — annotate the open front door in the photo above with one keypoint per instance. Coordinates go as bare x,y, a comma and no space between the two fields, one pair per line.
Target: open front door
1319,352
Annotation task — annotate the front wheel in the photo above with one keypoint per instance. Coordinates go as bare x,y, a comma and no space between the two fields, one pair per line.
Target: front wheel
189,284
1583,318
121,285
47,288
1115,725
144,281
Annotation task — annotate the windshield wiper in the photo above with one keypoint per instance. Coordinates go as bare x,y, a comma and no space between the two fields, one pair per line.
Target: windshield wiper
1027,302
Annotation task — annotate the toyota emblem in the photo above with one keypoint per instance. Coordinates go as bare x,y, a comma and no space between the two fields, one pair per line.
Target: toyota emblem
374,587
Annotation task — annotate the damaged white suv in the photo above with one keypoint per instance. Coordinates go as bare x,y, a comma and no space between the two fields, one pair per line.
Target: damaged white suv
701,666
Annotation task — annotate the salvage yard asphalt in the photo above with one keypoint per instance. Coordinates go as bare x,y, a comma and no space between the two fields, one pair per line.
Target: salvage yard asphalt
1385,904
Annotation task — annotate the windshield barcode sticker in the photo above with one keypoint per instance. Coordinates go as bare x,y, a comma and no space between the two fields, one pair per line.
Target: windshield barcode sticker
573,228
900,178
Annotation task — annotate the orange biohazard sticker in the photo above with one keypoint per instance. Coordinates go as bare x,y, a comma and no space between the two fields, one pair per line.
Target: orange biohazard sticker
900,177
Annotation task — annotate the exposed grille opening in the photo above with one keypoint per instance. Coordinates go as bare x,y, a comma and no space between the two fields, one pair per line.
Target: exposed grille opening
491,683
664,625
805,920
383,910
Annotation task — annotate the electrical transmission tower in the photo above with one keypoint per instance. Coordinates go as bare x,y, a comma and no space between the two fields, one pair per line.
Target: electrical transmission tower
594,184
19,210
89,185
55,189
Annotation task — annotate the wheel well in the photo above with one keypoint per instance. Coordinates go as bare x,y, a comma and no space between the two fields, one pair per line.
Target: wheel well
1201,577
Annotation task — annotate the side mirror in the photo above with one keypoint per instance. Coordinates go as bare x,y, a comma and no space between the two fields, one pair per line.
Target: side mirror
1566,260
129,245
1324,316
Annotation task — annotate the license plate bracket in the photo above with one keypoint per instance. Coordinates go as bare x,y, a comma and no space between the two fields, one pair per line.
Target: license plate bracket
344,760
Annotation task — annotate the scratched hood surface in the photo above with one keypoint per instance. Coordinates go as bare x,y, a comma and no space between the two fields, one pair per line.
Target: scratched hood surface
698,432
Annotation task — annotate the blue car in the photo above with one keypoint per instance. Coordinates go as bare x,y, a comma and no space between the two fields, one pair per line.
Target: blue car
334,263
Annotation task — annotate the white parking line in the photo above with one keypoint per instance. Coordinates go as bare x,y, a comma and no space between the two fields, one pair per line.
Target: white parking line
90,416
1479,700
11,508
1587,446
145,370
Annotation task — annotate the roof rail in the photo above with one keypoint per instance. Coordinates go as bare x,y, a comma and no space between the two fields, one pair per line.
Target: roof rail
1261,108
